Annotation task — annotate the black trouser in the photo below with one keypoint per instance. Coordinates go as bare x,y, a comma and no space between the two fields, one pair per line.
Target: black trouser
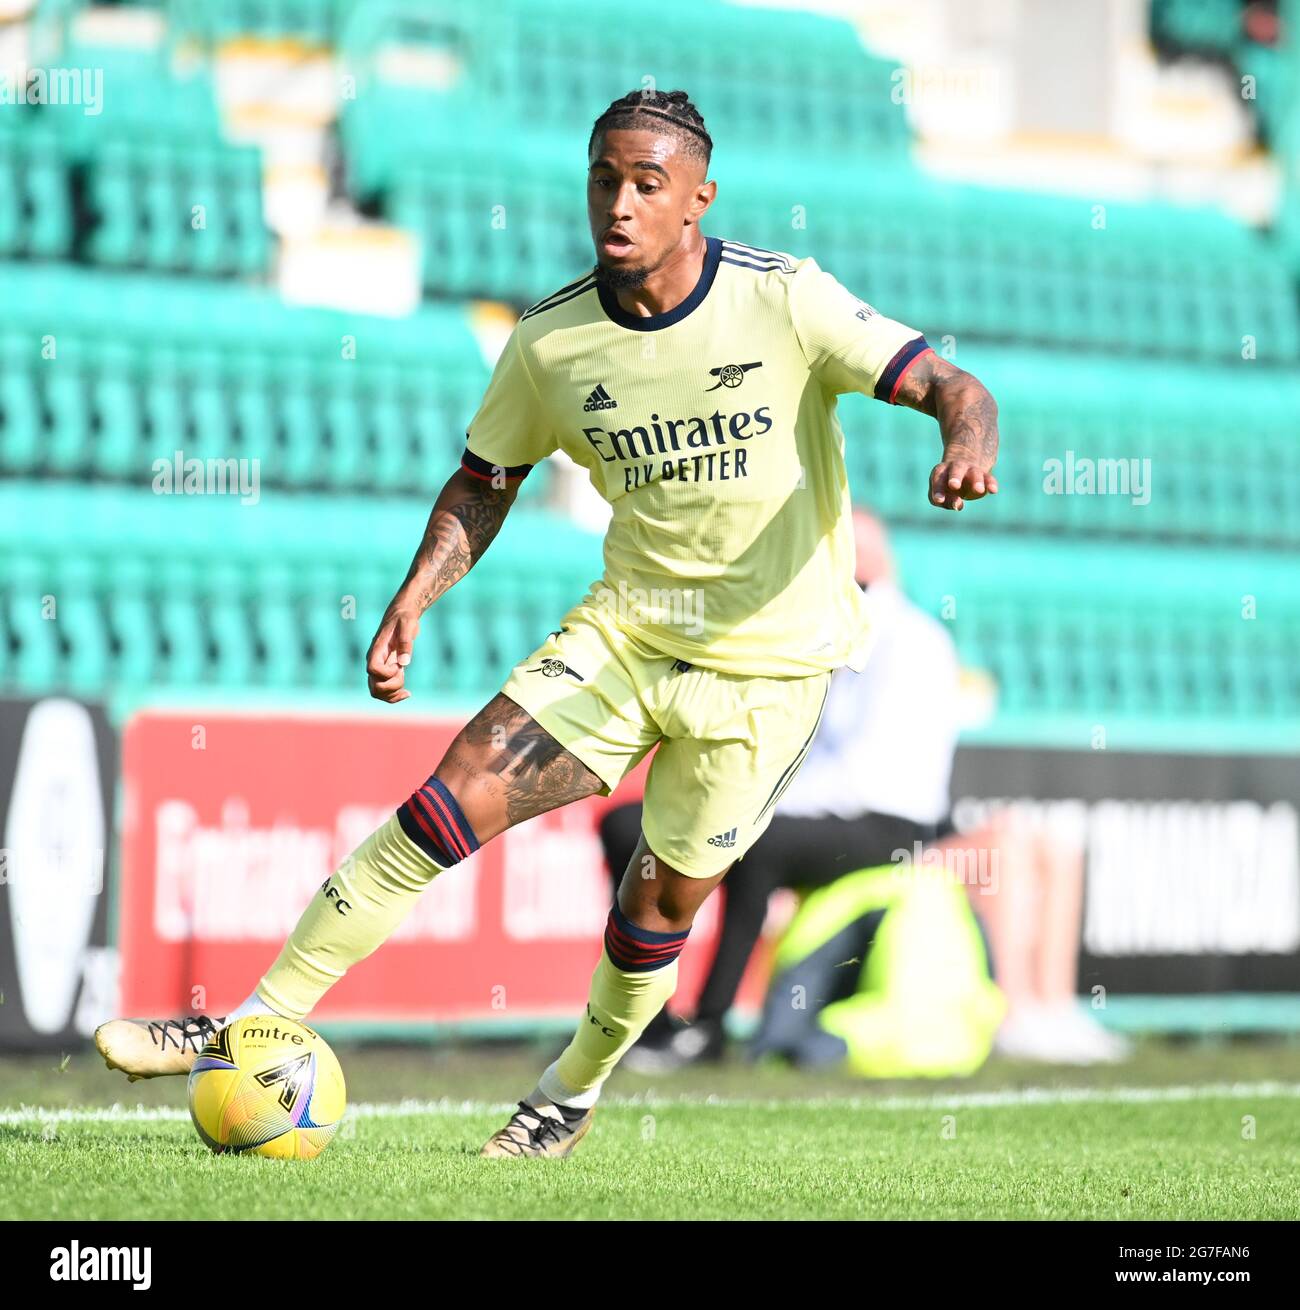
793,852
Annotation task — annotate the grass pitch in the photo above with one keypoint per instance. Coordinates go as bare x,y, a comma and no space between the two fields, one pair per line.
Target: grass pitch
1200,1132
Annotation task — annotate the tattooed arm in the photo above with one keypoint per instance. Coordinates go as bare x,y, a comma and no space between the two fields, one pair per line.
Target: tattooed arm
466,517
968,424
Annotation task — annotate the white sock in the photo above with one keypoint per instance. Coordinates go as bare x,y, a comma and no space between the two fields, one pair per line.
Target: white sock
254,1005
550,1086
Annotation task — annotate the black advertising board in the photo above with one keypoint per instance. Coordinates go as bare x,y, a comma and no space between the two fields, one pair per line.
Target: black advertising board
58,768
1192,880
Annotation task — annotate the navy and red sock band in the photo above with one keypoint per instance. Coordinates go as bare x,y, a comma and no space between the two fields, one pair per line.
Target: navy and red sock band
434,821
638,950
432,818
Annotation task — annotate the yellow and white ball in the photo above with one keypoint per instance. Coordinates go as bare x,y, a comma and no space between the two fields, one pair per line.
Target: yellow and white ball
269,1086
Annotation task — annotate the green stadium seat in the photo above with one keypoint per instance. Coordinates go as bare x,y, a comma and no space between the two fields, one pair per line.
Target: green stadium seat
35,191
184,642
133,593
114,401
21,438
324,640
67,446
227,613
11,200
82,625
33,652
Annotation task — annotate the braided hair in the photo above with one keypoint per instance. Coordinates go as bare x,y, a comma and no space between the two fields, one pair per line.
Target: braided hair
658,111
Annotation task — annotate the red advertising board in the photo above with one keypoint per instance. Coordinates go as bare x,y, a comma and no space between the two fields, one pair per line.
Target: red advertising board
231,822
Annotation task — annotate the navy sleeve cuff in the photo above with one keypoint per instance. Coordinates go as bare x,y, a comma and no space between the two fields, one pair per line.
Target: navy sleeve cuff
887,386
481,468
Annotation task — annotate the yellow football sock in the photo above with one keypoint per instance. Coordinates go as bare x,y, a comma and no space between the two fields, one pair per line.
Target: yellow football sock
622,1003
353,914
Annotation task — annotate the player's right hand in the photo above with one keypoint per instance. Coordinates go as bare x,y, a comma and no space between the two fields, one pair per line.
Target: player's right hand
390,653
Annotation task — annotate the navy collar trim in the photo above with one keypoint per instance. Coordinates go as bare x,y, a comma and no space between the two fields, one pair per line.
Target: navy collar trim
653,322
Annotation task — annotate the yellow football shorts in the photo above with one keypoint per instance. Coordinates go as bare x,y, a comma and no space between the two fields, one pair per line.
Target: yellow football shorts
729,745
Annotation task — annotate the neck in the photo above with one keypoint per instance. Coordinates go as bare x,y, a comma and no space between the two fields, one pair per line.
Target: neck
670,283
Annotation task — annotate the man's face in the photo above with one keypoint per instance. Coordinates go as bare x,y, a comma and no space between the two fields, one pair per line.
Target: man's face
643,192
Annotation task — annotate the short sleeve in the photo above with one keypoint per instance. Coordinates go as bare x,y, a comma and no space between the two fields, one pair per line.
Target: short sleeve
510,432
849,345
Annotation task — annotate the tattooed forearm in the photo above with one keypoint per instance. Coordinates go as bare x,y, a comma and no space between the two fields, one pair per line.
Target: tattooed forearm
967,414
466,518
454,540
968,422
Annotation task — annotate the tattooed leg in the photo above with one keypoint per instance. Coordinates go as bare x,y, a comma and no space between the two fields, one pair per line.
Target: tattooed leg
504,767
501,769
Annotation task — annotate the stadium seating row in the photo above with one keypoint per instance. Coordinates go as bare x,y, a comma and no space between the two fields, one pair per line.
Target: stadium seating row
106,589
1118,636
781,82
151,149
485,165
101,374
117,588
140,178
1102,448
507,220
192,209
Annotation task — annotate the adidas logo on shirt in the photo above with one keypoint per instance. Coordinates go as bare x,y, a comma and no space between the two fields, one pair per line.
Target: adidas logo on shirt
727,838
600,399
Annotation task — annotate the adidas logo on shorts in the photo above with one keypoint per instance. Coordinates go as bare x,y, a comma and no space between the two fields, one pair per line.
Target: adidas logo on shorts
727,838
600,399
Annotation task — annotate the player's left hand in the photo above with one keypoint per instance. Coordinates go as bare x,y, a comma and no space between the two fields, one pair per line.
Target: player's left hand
955,481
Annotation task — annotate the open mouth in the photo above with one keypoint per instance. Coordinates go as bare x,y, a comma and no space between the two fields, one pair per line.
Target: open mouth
616,243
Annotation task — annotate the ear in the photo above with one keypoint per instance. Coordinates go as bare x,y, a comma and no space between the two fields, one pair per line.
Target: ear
702,198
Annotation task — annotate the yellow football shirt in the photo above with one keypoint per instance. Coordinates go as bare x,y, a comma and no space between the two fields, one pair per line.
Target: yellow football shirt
711,431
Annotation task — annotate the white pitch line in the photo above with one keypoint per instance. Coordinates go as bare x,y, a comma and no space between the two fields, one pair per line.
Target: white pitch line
1028,1096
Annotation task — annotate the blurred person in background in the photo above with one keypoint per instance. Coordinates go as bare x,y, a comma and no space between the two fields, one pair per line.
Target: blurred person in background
1029,896
874,790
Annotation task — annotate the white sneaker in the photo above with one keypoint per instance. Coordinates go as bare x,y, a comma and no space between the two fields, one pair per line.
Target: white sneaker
1059,1034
